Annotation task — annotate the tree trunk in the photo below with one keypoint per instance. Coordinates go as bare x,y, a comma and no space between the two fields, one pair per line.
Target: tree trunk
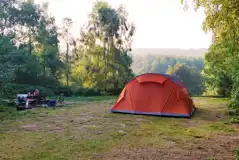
67,65
30,44
105,69
44,64
44,68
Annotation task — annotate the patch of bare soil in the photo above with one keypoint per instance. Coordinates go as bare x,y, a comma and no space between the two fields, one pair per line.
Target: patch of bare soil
30,127
219,148
213,115
192,123
86,119
203,115
236,125
44,127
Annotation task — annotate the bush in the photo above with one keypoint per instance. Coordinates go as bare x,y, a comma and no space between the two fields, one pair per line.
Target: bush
234,120
67,91
79,91
10,90
92,92
234,102
237,153
113,91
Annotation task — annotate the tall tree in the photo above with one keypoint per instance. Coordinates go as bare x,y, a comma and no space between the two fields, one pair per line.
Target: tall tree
105,43
28,18
7,16
67,24
47,43
29,44
222,19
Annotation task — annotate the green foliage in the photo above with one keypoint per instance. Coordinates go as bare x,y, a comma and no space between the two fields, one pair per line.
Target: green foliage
29,55
218,79
234,102
8,55
221,61
104,62
234,120
187,69
80,91
10,90
160,63
191,77
237,153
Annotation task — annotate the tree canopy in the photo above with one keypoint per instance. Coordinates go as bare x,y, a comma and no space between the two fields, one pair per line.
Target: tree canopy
30,56
221,62
103,49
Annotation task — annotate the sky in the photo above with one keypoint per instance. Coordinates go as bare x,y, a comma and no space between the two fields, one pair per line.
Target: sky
159,23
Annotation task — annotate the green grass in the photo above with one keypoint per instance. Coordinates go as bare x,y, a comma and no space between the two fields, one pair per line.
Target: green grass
221,127
89,131
233,120
237,153
7,113
212,99
94,98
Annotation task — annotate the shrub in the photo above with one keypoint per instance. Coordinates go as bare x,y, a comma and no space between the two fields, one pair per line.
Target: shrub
113,91
79,91
10,90
92,92
237,153
234,102
67,91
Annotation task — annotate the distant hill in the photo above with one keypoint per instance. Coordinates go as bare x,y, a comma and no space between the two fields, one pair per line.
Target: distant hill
170,51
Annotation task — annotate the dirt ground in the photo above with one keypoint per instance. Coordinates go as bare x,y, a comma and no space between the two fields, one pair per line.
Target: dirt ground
87,130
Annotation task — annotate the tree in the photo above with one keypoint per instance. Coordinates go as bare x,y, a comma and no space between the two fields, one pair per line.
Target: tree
7,16
105,42
189,76
181,71
67,24
160,64
29,46
47,43
8,53
222,18
217,79
28,18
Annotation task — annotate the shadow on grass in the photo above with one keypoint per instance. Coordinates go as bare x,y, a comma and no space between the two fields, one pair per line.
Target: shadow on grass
210,115
91,98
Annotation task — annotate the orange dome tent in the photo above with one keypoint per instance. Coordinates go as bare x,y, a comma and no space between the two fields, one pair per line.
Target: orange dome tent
155,94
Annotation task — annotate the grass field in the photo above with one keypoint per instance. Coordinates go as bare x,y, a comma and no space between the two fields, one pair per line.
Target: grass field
87,130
